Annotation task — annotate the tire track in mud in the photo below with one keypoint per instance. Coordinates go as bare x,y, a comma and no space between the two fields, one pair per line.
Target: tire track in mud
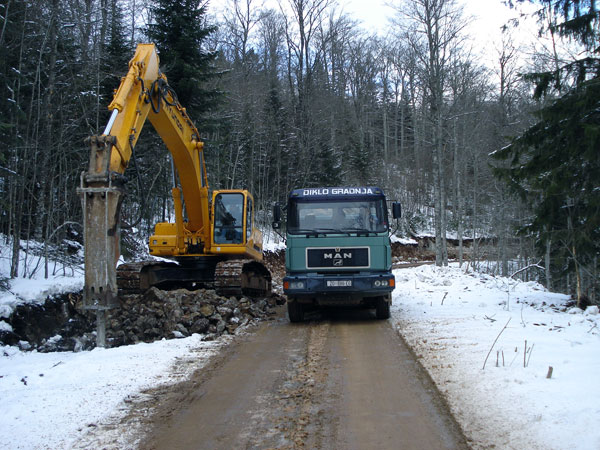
302,393
270,391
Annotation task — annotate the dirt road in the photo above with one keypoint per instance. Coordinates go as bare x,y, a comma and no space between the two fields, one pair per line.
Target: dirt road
339,381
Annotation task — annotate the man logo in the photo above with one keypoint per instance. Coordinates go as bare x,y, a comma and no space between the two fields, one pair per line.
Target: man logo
337,255
338,262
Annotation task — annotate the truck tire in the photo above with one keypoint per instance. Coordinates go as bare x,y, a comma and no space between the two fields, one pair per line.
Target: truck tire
295,311
382,309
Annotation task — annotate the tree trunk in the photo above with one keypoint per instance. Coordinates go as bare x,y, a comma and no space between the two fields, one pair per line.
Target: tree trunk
547,263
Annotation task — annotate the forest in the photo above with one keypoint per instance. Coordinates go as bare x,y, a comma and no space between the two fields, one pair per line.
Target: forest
503,158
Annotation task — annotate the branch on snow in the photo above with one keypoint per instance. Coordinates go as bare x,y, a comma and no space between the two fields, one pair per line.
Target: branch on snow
530,266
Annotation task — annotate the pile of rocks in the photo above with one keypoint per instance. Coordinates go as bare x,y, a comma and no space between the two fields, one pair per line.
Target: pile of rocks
61,324
161,314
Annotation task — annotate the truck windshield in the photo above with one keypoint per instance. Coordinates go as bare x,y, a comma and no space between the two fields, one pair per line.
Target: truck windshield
337,216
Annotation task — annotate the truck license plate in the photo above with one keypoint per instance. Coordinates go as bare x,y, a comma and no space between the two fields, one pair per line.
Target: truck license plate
339,283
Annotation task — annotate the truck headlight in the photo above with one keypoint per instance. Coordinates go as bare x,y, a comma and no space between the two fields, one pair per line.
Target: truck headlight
296,284
381,283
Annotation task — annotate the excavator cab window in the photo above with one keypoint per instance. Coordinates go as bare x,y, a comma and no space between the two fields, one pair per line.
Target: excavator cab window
229,218
249,219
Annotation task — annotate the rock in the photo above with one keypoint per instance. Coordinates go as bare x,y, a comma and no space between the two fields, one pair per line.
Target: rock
207,310
24,346
231,303
10,338
200,326
176,314
224,311
154,295
151,333
181,329
221,325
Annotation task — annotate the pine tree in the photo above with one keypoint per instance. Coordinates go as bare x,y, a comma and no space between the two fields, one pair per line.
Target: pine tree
115,55
180,32
555,164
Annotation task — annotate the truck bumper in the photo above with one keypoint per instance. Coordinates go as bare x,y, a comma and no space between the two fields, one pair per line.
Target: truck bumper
338,286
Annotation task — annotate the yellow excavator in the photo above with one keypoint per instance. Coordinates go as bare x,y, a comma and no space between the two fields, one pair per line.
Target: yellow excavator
213,242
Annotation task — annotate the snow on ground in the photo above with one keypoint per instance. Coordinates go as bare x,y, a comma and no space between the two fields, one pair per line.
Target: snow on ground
52,400
403,241
451,318
272,242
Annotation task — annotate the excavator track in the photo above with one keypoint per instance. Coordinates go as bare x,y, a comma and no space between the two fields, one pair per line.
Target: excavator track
132,277
233,277
243,277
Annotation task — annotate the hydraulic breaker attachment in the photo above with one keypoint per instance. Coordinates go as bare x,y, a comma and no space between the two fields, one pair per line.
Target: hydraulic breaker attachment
101,193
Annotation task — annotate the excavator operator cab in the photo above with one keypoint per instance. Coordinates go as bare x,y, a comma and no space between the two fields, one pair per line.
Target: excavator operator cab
233,222
229,218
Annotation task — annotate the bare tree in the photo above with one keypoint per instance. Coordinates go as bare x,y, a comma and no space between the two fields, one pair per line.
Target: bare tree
436,35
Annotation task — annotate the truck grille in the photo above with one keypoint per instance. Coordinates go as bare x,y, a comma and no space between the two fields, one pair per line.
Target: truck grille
338,257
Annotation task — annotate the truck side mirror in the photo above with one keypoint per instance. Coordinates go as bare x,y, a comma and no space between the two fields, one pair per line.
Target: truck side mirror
276,216
396,210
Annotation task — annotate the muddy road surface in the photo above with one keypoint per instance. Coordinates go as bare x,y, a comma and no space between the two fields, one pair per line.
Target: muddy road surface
339,381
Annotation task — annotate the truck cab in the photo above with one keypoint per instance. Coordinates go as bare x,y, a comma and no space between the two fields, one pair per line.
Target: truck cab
338,251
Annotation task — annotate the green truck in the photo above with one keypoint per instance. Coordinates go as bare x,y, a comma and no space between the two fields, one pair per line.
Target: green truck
338,249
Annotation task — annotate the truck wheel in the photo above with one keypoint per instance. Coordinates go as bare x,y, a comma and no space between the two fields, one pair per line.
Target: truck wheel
295,311
382,309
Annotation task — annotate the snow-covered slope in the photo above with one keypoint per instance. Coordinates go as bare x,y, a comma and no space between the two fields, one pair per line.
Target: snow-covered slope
451,320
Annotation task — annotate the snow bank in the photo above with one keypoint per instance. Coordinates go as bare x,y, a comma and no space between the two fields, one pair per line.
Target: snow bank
403,241
451,320
49,400
36,290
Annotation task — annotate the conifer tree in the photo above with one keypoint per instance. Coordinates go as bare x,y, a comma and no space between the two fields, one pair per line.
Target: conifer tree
555,164
180,30
115,54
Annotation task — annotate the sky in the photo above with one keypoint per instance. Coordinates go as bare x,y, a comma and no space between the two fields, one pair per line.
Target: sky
486,19
488,16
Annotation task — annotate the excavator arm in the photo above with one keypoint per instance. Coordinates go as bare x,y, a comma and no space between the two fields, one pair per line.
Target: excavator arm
143,93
